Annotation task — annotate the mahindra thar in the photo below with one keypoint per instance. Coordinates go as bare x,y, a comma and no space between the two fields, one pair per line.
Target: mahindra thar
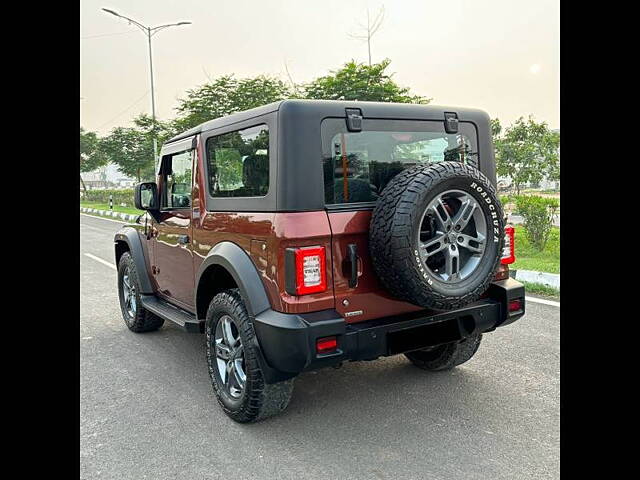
303,234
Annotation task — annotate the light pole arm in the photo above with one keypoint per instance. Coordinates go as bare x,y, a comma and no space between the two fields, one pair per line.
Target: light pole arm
155,30
149,32
130,20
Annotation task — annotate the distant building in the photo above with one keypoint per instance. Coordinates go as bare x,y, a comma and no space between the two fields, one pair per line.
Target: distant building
106,177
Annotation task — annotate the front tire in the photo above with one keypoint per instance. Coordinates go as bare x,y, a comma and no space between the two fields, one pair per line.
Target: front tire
135,316
447,356
234,370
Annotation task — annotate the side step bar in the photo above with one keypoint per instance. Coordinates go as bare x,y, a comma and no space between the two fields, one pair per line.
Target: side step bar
165,310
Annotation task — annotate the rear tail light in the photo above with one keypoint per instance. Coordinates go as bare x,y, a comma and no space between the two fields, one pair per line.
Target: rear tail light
508,251
326,345
307,271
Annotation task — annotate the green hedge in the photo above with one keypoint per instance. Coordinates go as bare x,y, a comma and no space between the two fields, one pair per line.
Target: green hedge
538,213
102,196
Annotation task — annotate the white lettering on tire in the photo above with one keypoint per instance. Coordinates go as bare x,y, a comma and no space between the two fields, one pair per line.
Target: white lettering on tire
494,215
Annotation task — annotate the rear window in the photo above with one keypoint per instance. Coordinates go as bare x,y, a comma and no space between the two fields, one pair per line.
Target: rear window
358,165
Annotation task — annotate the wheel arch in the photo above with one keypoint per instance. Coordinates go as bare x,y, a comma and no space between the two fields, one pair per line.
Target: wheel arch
228,266
127,239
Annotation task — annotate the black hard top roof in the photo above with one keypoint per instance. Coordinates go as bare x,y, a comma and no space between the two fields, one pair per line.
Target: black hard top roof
332,108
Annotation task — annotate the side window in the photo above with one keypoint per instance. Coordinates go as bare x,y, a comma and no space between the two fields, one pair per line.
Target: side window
238,163
177,180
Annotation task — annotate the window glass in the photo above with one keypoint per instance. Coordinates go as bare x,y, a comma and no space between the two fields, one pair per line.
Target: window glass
178,181
358,165
238,163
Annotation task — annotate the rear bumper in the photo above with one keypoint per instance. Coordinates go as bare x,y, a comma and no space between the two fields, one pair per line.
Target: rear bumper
287,343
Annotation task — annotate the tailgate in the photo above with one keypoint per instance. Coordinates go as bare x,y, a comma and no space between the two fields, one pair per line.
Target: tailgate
368,299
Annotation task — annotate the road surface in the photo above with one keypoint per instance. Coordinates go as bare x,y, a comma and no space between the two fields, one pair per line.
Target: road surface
147,409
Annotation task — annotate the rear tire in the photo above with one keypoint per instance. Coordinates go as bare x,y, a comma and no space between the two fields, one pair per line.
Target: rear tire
447,356
234,370
135,316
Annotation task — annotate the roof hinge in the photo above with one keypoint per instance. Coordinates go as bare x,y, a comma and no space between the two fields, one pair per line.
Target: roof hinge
354,119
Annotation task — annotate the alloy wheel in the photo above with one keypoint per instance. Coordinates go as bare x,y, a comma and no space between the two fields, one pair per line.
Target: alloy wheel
129,293
452,236
230,359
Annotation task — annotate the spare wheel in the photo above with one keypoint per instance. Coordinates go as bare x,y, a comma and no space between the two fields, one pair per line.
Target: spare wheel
436,235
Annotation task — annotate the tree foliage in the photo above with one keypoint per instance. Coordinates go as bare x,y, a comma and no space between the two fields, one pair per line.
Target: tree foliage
357,81
527,151
131,148
538,213
226,95
91,156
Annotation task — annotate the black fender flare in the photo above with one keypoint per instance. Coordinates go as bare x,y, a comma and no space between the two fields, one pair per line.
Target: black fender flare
238,263
131,237
240,266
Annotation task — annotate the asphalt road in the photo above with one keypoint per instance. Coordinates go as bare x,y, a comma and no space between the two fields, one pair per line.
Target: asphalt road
147,409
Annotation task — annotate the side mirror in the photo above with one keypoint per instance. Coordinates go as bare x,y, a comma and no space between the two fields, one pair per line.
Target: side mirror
146,196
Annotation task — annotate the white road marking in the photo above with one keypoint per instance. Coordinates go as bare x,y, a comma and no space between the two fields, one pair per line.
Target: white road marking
98,259
542,301
91,227
107,219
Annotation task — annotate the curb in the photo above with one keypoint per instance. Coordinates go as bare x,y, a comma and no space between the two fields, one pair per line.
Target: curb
549,279
127,217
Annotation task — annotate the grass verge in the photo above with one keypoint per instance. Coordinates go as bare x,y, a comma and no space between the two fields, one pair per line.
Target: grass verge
542,290
528,258
116,208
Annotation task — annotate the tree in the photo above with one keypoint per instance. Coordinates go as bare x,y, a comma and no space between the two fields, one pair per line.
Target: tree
356,81
370,30
131,148
91,156
526,152
225,95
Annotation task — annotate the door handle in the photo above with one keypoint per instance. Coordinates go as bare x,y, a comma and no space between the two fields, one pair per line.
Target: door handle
352,251
183,239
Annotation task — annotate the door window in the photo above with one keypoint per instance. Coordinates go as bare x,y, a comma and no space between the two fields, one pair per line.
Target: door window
177,172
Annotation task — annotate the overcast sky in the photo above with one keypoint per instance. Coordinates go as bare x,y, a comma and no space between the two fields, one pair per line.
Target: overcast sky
499,55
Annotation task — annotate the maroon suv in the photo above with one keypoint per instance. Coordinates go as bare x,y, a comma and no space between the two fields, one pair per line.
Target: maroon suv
303,234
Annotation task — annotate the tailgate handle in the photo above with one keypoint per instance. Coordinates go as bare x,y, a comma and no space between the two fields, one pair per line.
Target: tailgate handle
352,251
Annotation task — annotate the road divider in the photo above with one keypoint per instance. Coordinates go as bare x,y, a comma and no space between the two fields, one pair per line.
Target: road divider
121,222
543,301
127,217
543,278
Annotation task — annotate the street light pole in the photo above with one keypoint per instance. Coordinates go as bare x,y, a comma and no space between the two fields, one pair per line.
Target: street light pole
153,98
149,32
